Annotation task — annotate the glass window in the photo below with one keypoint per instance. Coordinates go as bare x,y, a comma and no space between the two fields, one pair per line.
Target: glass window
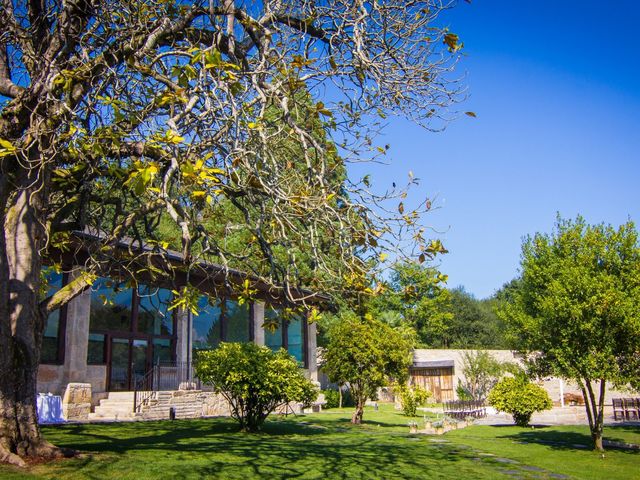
110,306
161,351
295,338
95,351
154,316
237,321
51,340
207,324
272,338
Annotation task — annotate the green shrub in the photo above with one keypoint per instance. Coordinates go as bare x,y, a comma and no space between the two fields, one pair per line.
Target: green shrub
254,380
520,398
332,397
412,397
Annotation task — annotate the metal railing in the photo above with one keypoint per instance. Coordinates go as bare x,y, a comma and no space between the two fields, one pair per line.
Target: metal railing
164,377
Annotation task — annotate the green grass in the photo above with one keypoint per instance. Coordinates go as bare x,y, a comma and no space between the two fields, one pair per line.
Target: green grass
327,446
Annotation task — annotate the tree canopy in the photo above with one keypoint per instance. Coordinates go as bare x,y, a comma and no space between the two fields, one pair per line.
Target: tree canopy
366,354
416,297
575,309
119,115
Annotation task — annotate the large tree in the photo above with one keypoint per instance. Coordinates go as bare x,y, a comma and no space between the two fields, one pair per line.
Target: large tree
117,116
576,309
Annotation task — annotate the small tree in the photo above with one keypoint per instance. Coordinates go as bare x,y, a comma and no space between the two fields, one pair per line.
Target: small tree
412,397
254,380
365,353
575,309
520,398
482,371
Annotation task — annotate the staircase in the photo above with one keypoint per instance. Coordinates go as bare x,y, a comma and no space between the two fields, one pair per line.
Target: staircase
117,406
187,404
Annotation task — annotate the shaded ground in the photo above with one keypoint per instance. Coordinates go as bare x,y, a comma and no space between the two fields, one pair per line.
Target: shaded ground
325,446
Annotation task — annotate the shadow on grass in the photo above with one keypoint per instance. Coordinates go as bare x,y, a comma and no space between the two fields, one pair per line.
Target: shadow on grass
561,439
215,448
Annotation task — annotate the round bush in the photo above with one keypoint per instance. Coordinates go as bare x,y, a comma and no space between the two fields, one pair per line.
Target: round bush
254,380
520,398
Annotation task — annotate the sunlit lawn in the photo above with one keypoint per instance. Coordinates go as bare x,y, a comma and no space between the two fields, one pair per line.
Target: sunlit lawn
324,446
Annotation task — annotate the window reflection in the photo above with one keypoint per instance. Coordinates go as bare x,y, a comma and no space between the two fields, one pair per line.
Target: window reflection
218,321
295,340
154,316
289,333
50,352
206,332
238,320
273,337
111,304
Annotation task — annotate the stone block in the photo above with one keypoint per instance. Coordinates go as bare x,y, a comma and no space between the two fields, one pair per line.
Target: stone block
76,403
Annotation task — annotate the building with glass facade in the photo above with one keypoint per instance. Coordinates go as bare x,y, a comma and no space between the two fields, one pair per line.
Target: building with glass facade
112,334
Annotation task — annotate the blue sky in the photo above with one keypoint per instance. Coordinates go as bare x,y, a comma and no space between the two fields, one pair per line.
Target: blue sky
556,87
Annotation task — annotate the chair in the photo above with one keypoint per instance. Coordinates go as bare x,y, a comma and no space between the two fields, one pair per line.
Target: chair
630,409
618,409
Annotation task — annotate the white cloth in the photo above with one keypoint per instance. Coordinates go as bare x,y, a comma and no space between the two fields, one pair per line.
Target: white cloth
49,408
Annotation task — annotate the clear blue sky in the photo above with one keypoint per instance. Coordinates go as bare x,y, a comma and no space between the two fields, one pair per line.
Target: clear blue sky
556,87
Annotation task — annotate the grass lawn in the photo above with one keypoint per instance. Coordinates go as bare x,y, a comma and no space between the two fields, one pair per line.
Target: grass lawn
325,446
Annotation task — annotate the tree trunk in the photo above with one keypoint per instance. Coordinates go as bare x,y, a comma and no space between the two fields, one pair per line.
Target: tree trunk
359,412
340,396
595,411
21,326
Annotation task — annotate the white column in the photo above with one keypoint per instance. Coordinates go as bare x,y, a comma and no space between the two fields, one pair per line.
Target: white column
561,392
258,322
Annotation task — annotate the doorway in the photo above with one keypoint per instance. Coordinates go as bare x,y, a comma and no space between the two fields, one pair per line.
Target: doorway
129,361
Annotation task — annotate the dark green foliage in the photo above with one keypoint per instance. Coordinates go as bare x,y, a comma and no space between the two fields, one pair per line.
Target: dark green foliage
332,398
416,299
520,398
254,380
474,323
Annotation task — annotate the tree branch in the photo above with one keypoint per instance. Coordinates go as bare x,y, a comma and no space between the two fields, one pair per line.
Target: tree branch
67,293
7,87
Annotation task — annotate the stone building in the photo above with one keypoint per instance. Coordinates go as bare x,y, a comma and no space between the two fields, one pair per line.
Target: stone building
441,370
115,333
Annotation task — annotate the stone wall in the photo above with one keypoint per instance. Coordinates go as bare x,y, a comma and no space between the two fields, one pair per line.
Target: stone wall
50,379
553,385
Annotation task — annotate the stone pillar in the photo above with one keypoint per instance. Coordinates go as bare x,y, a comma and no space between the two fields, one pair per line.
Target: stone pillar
312,347
258,322
76,337
76,403
183,345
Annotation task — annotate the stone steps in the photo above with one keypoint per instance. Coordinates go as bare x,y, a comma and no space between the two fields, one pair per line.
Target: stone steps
186,405
117,406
